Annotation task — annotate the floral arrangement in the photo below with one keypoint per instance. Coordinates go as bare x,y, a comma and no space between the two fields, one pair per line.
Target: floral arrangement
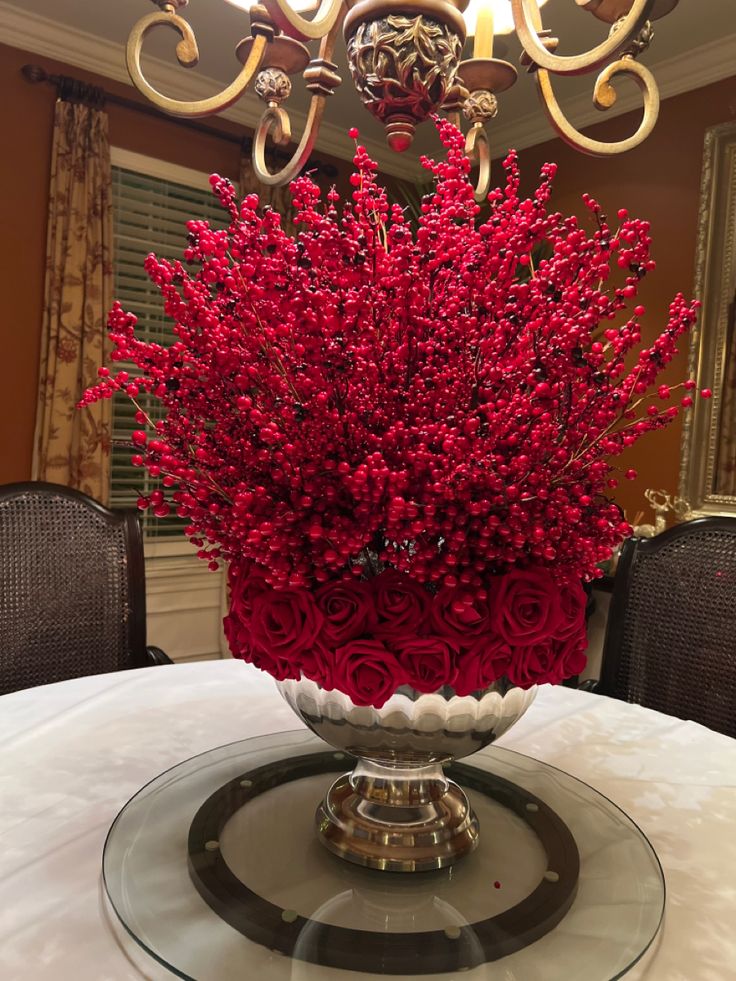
401,442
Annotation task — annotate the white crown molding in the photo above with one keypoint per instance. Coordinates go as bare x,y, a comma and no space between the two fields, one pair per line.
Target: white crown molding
709,63
43,36
51,39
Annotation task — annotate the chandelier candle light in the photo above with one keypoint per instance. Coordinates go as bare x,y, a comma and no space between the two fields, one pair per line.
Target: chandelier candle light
402,444
405,59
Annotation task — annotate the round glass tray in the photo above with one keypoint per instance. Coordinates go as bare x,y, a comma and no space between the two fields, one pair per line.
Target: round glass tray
214,868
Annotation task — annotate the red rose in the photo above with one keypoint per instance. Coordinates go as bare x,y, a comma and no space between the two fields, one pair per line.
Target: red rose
459,614
486,662
367,672
347,608
285,622
401,604
245,582
236,637
245,585
571,654
318,664
548,662
525,606
535,664
279,668
573,601
242,648
428,662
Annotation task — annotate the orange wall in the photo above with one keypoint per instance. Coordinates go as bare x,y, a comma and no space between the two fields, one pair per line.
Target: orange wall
659,181
26,120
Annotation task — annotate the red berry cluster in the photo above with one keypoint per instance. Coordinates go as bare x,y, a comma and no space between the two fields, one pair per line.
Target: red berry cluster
358,396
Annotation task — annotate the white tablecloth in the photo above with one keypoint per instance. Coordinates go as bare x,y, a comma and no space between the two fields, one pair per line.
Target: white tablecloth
74,753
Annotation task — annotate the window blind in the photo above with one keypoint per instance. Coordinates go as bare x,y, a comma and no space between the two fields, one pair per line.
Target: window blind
149,215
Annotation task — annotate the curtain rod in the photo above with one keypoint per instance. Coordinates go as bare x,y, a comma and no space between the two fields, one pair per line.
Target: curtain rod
75,90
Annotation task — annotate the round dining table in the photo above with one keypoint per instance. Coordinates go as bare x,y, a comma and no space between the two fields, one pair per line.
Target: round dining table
73,753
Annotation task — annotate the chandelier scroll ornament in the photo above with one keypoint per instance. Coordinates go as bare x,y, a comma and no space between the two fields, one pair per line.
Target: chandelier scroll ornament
187,54
287,57
630,34
405,61
483,78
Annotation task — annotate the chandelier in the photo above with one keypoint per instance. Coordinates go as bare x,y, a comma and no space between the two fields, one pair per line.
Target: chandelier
405,59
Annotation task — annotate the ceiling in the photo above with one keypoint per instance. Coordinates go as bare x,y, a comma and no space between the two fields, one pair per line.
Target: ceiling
694,44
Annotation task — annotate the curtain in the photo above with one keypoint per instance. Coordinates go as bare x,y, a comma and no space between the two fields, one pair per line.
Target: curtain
726,457
72,446
278,198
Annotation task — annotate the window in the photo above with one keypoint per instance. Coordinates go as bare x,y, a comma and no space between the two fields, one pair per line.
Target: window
152,201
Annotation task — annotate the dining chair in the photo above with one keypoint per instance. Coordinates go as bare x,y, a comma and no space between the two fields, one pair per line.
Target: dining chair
72,587
671,636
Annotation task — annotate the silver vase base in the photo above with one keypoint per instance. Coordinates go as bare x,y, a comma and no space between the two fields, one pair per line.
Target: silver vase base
397,811
416,836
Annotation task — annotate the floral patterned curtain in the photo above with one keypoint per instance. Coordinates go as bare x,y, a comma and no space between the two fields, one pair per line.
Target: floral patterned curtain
72,446
278,198
726,458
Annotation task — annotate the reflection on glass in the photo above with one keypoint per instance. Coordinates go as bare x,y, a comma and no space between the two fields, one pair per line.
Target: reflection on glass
305,897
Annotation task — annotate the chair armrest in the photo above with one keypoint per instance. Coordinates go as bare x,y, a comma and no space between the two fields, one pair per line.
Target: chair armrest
156,656
591,684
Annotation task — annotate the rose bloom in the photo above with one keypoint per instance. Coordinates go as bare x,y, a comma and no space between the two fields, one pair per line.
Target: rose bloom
571,656
525,606
238,635
451,616
401,604
548,662
245,585
573,601
285,622
348,611
478,668
428,662
278,667
535,664
318,664
367,672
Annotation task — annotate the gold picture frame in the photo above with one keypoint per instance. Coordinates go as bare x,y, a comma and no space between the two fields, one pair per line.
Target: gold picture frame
715,285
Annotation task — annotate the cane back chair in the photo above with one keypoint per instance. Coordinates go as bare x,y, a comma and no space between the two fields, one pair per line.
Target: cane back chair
671,636
72,587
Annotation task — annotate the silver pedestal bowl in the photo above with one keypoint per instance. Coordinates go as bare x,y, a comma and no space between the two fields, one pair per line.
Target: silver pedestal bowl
397,811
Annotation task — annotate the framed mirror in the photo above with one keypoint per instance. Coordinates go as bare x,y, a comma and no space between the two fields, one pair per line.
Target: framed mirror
708,464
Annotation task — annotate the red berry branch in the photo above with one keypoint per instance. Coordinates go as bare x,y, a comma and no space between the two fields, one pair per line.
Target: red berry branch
359,396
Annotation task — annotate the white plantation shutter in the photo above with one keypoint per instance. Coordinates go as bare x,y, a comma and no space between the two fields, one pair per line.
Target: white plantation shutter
150,215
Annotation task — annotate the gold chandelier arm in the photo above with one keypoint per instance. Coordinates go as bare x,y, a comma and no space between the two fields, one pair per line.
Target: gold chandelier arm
322,79
275,121
528,23
295,26
188,55
604,97
478,149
